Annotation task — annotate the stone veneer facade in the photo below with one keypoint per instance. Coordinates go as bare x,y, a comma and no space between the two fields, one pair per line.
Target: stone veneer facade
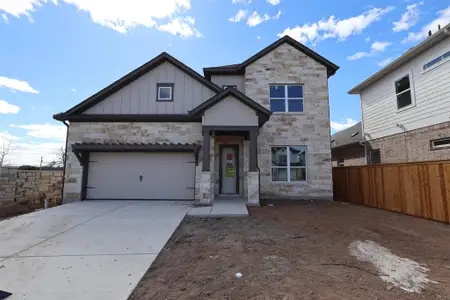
284,65
310,128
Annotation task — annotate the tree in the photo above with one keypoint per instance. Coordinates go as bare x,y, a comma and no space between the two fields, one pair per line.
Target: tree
5,148
61,159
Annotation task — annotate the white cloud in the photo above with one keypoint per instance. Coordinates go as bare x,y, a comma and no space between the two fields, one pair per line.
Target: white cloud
278,15
376,47
30,153
258,37
358,55
17,85
17,8
44,131
256,19
182,26
273,2
240,15
384,62
409,18
335,28
341,126
7,108
442,19
241,1
5,18
120,15
73,90
8,136
380,46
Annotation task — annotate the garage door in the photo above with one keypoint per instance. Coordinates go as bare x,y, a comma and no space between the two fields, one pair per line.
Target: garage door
137,175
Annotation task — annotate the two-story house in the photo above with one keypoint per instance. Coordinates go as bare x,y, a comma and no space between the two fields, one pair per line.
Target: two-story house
406,105
165,132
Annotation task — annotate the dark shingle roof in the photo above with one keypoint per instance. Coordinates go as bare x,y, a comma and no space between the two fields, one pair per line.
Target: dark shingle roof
347,136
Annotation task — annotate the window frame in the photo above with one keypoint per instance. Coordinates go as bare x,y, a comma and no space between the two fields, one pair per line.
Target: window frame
165,85
410,90
440,60
370,157
433,147
288,165
286,97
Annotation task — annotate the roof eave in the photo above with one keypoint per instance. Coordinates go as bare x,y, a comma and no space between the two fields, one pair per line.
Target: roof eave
403,59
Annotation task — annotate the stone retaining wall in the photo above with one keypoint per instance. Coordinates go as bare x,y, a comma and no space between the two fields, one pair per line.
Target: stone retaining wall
31,188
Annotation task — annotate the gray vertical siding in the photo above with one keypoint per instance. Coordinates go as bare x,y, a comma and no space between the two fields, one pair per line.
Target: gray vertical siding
139,97
230,112
238,80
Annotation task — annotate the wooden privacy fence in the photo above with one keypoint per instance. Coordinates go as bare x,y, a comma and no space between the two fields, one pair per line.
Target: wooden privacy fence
419,189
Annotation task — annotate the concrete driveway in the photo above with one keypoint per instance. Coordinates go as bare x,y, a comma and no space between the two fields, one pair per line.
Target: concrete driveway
84,250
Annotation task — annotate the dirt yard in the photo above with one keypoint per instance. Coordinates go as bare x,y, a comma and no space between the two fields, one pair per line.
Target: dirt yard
296,251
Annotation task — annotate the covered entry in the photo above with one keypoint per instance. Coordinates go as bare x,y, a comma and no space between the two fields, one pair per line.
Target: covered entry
138,171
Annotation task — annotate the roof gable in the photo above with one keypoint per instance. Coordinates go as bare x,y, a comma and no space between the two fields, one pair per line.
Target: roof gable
234,93
240,68
131,77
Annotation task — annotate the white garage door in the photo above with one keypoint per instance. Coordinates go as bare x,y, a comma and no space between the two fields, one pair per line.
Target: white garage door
136,175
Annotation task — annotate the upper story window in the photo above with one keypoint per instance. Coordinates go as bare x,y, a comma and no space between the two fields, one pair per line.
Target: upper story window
164,91
437,61
403,92
229,86
286,98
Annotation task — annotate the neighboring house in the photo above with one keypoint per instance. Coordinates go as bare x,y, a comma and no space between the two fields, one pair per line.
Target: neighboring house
165,132
406,105
347,147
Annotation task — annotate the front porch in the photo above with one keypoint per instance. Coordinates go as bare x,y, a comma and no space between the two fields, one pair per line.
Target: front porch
223,206
229,160
229,168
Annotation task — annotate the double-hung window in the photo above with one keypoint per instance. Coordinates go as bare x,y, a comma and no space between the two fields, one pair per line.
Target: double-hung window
286,98
403,92
288,163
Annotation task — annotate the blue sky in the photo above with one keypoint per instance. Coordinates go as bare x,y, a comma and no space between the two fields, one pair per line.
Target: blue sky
56,53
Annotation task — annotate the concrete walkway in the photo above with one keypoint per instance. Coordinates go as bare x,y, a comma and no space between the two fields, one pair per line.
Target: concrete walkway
85,250
225,207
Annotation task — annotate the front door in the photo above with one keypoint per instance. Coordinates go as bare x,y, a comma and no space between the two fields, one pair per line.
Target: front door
229,170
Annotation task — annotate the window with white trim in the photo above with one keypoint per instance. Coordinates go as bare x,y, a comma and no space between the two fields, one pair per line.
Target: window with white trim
288,163
440,143
164,91
403,92
286,98
437,61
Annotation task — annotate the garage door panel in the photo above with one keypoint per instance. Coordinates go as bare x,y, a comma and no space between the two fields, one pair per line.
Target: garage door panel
162,176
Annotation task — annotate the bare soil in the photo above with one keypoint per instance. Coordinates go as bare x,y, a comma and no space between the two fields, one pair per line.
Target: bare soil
295,251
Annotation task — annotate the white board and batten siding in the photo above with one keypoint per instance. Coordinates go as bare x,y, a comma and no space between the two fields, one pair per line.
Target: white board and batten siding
139,97
430,92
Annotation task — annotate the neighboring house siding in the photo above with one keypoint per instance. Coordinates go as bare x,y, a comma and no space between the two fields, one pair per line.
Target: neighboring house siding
139,132
139,97
351,155
237,80
431,90
285,64
413,145
230,112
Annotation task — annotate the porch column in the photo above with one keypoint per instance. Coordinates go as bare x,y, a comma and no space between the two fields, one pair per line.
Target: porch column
206,151
206,191
253,151
253,174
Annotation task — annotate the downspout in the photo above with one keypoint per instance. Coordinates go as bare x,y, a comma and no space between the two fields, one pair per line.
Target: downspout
65,161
